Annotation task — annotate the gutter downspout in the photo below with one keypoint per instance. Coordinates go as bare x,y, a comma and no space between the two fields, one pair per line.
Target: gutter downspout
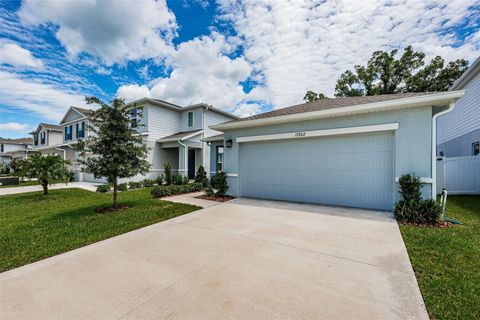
64,152
434,147
185,156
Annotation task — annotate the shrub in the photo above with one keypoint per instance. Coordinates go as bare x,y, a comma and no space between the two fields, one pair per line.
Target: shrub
219,182
168,172
159,180
412,208
163,191
179,180
135,185
201,177
148,183
186,180
103,188
122,187
209,192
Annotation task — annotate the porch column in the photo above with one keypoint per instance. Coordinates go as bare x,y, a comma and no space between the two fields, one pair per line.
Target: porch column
182,159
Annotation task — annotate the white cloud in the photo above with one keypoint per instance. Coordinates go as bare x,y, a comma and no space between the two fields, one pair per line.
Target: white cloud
247,109
296,46
202,72
133,92
14,126
114,31
45,100
13,54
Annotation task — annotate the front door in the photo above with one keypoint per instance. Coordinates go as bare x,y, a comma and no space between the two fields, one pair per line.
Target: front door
191,163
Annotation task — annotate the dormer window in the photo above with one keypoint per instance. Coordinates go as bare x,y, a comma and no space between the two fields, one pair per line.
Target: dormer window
134,118
68,132
80,127
190,119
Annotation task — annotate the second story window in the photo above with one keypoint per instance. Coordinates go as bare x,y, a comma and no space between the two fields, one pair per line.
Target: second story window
1,148
190,119
476,148
68,132
80,127
134,118
42,137
35,139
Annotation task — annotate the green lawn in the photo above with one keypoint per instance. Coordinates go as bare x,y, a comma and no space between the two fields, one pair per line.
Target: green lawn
447,261
34,227
21,184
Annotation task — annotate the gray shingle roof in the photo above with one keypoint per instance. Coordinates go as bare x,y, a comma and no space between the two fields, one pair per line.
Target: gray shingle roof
16,141
330,103
180,135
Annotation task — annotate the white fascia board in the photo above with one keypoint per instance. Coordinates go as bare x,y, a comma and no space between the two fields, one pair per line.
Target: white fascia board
320,133
435,99
181,139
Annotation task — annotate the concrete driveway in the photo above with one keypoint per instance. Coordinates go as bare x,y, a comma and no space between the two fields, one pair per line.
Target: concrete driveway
245,259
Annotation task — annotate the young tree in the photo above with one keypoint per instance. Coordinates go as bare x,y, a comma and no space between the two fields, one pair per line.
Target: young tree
201,177
46,169
384,74
114,149
311,96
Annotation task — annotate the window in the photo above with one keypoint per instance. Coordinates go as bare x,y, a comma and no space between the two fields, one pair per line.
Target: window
35,139
80,130
42,137
476,148
68,132
1,148
190,119
134,118
219,159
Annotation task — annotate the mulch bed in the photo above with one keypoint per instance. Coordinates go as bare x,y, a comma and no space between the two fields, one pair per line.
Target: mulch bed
440,224
215,198
112,209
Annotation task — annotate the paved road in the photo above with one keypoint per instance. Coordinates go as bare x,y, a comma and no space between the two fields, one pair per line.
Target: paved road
245,259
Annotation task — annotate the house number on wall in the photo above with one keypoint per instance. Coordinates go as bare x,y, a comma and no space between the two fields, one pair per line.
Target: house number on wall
299,134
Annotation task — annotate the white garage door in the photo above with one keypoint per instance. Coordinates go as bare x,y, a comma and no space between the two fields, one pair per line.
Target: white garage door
348,170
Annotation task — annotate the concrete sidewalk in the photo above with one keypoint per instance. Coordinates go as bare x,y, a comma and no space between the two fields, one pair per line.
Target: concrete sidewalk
82,185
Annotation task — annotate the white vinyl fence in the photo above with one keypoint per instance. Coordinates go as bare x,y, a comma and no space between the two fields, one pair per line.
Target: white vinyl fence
459,175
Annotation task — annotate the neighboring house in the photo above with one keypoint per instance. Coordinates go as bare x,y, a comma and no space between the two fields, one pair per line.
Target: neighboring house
344,151
46,138
175,134
459,130
17,149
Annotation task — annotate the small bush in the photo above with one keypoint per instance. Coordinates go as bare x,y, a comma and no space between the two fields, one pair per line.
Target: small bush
159,180
179,180
219,182
148,183
186,180
168,172
164,191
412,208
122,187
209,192
201,177
135,185
103,188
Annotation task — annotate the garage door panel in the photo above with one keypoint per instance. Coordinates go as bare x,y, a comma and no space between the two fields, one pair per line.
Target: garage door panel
354,170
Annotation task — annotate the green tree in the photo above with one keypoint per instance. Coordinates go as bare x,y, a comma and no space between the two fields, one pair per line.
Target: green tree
311,96
201,177
384,74
114,149
47,169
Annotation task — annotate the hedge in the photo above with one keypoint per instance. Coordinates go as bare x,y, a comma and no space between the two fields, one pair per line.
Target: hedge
163,191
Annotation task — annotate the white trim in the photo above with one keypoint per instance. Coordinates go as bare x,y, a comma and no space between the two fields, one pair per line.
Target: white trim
434,99
234,175
188,119
320,133
422,180
196,133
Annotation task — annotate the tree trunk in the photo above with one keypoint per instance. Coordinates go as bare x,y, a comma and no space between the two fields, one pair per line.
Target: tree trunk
45,188
115,185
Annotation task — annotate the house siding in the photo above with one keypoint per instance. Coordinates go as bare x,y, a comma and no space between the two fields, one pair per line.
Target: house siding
464,118
412,141
213,118
197,120
161,122
461,146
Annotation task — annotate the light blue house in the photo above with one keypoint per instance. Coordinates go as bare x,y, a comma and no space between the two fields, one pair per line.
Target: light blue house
344,151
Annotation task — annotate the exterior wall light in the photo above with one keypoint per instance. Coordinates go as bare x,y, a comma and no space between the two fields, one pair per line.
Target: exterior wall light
228,143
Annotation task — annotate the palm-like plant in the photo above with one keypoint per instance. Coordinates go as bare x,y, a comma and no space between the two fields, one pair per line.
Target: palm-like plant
47,169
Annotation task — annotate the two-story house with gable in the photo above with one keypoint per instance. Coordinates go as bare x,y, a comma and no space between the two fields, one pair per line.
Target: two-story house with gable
176,134
46,138
17,149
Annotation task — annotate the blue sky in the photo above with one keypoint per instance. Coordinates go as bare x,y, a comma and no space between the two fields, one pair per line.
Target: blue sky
241,56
